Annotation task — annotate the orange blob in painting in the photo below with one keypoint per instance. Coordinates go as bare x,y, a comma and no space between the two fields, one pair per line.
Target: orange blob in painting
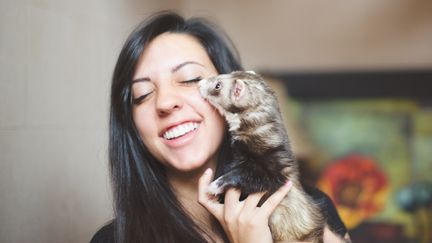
357,187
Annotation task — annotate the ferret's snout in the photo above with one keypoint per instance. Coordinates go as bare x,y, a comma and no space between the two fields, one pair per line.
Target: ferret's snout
202,86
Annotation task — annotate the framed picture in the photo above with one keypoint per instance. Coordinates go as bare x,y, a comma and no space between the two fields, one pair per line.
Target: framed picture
371,139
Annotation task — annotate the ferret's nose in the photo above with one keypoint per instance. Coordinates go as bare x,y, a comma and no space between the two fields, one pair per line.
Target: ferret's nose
202,86
202,82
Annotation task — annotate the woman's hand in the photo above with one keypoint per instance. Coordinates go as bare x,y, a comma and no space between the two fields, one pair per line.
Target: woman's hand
242,221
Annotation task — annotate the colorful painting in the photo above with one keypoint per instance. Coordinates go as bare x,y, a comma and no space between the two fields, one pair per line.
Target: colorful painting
357,186
367,153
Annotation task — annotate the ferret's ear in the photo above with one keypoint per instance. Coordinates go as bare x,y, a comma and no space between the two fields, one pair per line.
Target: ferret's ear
238,90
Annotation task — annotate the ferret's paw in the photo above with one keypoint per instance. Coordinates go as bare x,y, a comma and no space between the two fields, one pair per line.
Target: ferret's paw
215,188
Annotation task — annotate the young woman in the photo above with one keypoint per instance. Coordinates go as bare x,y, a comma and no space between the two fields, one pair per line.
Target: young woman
166,142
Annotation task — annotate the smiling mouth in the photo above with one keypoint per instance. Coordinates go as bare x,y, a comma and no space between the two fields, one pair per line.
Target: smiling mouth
180,130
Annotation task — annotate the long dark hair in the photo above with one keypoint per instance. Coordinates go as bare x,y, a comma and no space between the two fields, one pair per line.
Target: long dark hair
146,209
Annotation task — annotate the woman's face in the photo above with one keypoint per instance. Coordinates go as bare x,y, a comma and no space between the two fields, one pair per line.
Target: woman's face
176,124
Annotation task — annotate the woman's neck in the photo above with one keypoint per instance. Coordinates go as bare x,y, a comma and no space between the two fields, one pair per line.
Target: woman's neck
185,187
185,183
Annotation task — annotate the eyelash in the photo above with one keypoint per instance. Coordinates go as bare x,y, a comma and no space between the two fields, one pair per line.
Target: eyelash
195,80
138,100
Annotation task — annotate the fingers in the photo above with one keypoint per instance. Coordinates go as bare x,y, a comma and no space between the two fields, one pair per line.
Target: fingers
232,205
203,198
273,201
232,196
243,221
252,201
203,182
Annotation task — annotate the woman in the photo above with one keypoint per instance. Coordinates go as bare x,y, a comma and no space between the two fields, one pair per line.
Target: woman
166,141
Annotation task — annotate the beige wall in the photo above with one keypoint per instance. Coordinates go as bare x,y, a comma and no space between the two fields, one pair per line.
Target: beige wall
56,59
305,35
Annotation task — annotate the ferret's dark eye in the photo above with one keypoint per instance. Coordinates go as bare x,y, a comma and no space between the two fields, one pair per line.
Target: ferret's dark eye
218,85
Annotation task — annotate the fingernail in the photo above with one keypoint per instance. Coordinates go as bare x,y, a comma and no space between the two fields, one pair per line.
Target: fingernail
288,183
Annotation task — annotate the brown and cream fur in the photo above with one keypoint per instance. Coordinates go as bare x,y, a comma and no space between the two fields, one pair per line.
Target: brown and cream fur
262,157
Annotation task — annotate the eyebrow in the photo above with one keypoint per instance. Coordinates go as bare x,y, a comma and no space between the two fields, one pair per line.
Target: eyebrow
140,80
176,68
173,70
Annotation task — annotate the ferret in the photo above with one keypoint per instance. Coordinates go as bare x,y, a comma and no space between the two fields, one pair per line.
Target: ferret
262,157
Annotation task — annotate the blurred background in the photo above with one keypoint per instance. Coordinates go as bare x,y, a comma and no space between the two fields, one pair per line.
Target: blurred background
353,79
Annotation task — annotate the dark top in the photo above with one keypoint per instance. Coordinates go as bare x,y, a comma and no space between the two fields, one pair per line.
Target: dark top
106,233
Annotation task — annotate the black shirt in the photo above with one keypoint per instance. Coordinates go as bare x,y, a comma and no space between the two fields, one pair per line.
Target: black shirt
106,233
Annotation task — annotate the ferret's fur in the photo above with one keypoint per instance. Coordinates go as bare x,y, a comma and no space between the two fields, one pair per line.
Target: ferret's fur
262,159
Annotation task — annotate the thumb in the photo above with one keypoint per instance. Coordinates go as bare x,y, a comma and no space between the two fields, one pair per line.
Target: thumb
213,206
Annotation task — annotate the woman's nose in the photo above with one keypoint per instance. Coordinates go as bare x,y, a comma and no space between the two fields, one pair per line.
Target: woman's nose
168,100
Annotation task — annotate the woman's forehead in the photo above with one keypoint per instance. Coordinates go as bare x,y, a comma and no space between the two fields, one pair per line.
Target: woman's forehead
169,50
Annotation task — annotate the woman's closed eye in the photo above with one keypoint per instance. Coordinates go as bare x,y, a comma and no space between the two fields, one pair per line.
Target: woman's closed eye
142,97
191,82
141,91
138,100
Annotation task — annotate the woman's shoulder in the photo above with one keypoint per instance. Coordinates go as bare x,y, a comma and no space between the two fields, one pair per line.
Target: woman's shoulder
104,234
329,210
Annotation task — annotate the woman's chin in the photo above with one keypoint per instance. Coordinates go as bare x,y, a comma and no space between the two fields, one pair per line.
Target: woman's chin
189,166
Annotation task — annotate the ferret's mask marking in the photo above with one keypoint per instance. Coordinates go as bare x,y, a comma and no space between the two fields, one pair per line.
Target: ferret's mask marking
218,85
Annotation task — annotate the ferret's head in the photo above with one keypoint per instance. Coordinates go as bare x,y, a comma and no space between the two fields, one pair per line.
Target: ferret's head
234,92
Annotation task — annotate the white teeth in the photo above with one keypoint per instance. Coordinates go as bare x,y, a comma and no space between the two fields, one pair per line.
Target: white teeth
180,130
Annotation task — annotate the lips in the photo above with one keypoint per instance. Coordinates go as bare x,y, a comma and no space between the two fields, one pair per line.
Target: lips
180,130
